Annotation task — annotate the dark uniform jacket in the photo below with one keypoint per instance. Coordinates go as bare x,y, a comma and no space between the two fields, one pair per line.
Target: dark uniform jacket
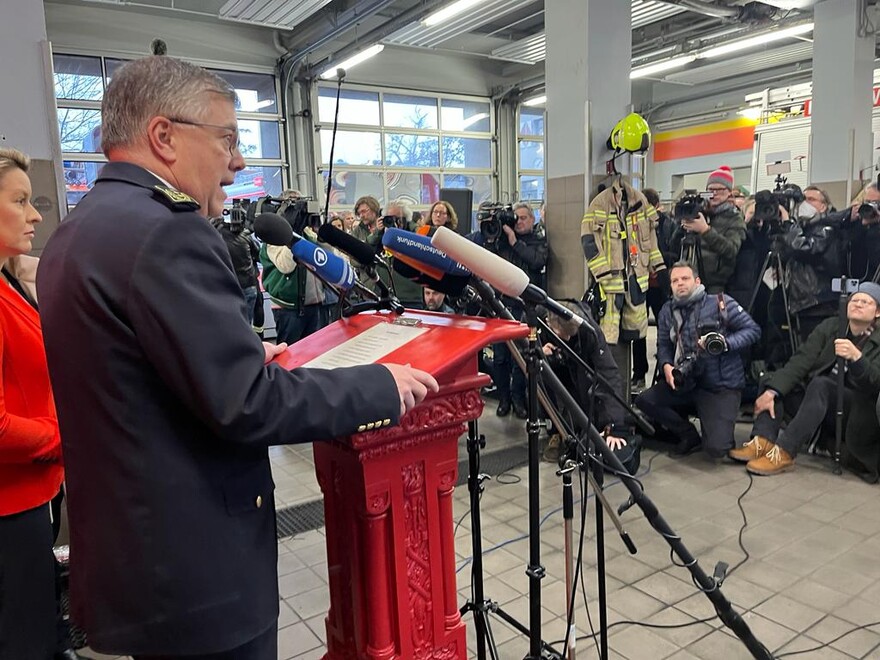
166,413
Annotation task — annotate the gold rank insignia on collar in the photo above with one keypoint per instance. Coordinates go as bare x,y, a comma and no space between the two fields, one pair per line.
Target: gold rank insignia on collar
178,201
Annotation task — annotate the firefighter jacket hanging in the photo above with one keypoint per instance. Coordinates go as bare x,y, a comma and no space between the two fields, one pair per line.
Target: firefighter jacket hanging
619,239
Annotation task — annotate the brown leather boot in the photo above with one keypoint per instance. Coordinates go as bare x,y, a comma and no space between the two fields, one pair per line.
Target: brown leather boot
774,461
754,448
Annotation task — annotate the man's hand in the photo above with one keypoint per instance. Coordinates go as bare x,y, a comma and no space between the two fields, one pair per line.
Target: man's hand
548,348
766,402
511,235
667,374
379,224
614,443
697,225
412,385
846,349
272,350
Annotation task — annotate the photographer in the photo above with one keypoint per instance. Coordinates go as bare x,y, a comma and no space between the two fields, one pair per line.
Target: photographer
699,341
369,229
860,235
813,372
398,214
718,237
811,251
243,252
604,410
510,233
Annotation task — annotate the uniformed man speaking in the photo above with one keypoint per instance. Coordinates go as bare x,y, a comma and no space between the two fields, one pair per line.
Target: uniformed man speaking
166,405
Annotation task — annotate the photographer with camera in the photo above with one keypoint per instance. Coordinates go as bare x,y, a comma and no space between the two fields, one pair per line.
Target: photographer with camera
810,378
713,233
369,228
700,338
860,235
509,231
243,252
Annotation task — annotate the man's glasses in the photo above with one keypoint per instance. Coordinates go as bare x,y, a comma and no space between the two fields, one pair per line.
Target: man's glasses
231,137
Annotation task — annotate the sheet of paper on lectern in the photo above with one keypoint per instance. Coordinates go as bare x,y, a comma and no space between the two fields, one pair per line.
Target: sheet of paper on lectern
368,347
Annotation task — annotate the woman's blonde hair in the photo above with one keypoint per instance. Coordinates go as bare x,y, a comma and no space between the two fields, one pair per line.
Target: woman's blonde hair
11,159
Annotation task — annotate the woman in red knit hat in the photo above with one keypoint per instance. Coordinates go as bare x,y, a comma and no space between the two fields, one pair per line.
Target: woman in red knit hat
30,448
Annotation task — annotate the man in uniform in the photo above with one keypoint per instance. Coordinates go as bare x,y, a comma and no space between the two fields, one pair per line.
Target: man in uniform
166,407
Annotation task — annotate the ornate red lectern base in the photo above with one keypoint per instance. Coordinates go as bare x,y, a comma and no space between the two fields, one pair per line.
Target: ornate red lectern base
388,498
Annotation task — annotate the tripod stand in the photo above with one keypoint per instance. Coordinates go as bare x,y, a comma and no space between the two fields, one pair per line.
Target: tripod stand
775,261
711,586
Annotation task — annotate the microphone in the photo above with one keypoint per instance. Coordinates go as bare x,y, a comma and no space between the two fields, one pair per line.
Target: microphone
361,252
501,274
451,285
418,252
273,229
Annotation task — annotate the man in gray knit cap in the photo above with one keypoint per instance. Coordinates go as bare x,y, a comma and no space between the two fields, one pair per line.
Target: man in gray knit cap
814,368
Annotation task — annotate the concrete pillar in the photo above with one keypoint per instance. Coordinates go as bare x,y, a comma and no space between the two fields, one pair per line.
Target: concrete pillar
27,116
843,63
589,45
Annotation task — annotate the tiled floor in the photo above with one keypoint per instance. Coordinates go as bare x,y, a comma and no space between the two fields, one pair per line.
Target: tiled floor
813,574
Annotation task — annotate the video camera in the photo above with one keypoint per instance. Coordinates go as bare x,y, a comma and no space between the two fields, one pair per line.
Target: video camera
492,217
869,213
691,204
300,213
768,203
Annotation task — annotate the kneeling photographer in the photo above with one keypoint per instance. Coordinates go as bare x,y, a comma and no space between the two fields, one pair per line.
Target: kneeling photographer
700,338
710,235
604,409
509,232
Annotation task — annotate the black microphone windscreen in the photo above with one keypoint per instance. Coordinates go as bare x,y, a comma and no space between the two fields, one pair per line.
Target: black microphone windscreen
272,229
360,251
451,285
158,47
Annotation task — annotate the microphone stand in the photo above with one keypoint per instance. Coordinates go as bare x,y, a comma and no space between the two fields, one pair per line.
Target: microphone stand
710,586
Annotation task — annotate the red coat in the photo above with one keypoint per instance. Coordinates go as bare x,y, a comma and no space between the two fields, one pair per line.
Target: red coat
30,444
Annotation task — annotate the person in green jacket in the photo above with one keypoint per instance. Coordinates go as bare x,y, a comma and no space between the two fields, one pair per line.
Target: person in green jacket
814,367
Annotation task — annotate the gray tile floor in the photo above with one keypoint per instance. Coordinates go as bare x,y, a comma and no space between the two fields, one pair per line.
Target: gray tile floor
812,576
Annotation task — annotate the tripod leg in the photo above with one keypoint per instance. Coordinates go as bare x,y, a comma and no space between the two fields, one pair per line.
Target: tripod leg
568,516
599,477
475,487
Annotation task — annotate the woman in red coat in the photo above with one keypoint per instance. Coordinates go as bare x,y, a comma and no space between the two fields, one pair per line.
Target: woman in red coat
30,448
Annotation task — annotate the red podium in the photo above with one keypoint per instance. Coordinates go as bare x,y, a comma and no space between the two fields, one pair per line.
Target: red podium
388,490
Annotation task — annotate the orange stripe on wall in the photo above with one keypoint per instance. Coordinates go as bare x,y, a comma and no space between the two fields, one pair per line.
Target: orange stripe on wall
735,139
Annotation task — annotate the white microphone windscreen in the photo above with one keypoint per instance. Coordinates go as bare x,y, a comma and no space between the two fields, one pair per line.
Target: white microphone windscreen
501,274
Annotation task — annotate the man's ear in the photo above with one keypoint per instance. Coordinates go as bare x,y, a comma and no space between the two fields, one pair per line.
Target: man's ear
163,139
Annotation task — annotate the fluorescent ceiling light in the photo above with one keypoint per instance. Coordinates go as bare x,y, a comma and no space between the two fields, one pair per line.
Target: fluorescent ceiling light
660,67
473,119
449,11
760,40
535,100
354,60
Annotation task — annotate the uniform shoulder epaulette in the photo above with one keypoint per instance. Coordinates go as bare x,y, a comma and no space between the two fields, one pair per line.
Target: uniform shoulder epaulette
174,199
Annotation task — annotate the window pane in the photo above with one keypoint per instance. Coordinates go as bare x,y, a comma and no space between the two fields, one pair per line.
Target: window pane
355,107
531,121
255,182
256,91
349,186
416,188
80,130
78,78
110,65
79,177
468,116
471,153
259,139
481,184
531,187
352,148
531,155
412,150
410,111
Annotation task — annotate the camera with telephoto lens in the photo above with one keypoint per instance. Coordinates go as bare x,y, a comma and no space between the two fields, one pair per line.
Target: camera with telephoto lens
684,370
299,213
869,212
714,342
392,222
492,217
691,204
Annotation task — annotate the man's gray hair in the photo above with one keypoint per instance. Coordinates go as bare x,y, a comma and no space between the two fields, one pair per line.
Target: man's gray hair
404,206
526,206
151,87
